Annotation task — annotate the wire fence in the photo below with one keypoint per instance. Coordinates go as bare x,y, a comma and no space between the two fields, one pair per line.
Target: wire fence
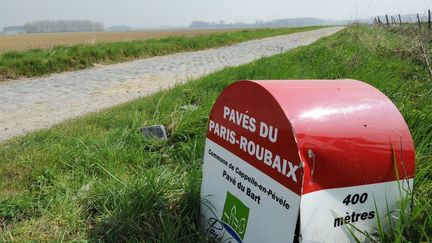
398,20
419,25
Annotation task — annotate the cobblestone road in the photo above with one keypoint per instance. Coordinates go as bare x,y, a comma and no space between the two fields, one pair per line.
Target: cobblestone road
30,104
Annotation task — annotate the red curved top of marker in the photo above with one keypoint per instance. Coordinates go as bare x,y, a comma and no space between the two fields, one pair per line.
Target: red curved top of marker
356,134
346,132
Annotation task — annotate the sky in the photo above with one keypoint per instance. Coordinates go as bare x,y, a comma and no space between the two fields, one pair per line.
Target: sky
156,13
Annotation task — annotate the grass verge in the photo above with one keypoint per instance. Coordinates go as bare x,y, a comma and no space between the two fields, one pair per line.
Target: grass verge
95,178
39,62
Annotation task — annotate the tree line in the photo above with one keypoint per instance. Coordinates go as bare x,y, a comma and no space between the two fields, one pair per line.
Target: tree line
47,26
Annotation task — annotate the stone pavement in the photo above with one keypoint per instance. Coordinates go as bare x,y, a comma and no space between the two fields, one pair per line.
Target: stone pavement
30,104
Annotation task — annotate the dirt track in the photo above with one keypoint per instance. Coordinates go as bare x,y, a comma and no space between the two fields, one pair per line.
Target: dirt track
30,104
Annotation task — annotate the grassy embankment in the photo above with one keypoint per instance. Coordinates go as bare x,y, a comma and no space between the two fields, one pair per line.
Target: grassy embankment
96,178
39,62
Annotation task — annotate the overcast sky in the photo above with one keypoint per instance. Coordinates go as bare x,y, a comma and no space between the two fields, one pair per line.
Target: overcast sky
155,13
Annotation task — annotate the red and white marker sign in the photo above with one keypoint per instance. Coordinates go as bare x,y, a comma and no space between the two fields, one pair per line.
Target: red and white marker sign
303,159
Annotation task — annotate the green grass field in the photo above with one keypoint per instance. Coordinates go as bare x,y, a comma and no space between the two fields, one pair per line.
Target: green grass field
96,178
40,62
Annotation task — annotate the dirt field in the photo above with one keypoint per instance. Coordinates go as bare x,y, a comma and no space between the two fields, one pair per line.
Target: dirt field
32,41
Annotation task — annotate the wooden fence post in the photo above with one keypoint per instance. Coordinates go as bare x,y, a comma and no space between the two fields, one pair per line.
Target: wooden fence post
429,19
418,20
400,20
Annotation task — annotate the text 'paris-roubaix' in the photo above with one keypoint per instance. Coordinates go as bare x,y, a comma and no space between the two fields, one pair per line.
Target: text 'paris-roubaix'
281,165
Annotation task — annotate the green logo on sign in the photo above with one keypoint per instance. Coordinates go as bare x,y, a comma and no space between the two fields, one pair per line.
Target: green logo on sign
235,216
